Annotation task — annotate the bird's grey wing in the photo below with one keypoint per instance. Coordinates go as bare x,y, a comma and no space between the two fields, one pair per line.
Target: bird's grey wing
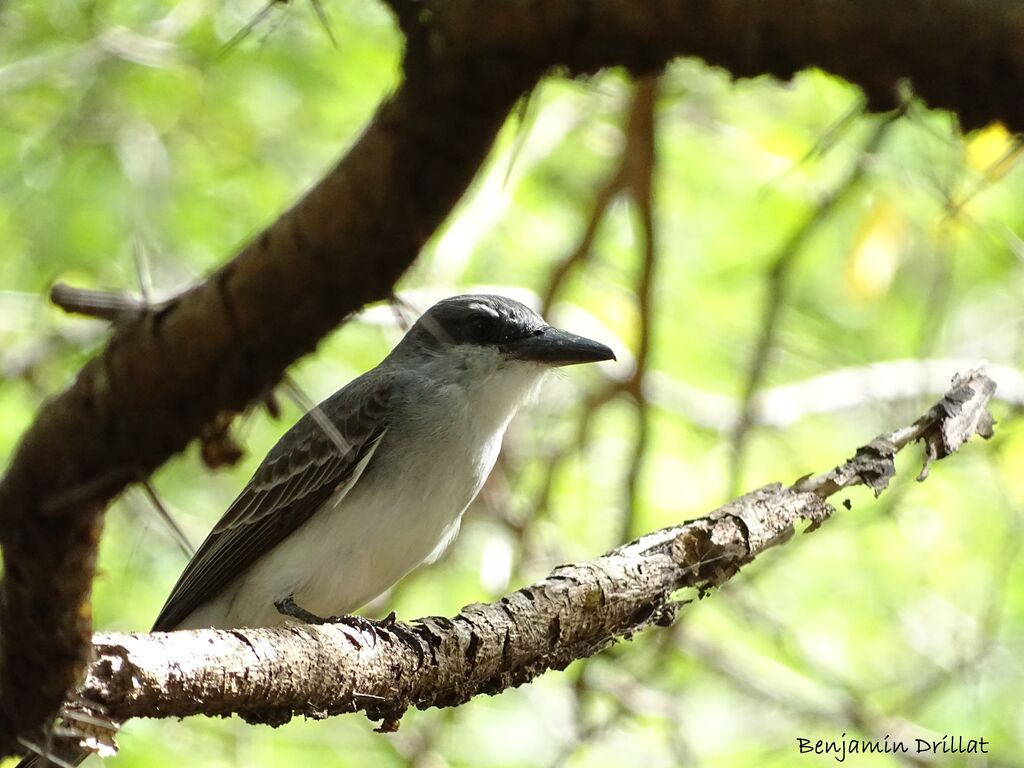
322,453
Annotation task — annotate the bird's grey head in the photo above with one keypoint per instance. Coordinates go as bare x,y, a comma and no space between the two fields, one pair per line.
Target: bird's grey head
478,358
498,329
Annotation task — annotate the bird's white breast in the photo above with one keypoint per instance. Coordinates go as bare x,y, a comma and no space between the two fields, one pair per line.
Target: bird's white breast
403,510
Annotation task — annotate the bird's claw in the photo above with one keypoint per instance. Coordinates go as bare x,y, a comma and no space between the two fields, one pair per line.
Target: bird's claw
378,629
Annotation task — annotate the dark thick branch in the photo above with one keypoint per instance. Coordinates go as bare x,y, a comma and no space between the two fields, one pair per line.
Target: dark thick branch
960,55
167,373
317,671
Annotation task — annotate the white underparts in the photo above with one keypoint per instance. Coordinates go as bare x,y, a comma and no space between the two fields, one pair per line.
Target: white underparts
402,508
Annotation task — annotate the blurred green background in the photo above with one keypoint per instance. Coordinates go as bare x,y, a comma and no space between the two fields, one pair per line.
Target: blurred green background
136,151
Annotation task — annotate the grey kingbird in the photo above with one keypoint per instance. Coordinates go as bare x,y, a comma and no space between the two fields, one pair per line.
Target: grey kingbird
372,483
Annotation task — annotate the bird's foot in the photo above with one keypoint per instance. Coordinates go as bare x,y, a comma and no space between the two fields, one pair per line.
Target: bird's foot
287,606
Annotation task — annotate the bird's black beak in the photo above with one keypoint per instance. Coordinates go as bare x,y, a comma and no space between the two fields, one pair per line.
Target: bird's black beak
553,346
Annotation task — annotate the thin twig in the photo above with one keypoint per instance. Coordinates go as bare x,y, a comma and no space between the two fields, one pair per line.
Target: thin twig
249,26
179,536
614,184
321,15
777,291
329,428
641,163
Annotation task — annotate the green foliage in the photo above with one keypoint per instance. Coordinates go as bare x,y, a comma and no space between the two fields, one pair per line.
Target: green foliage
127,126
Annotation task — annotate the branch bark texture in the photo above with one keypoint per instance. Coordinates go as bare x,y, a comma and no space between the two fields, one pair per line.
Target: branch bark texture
168,373
269,675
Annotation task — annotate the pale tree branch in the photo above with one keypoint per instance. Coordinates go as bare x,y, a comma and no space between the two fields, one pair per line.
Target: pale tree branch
167,374
832,392
382,669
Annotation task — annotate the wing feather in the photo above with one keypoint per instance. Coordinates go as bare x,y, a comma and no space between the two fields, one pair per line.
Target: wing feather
306,467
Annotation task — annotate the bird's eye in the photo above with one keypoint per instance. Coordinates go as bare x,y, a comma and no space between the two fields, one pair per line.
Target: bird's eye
482,326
